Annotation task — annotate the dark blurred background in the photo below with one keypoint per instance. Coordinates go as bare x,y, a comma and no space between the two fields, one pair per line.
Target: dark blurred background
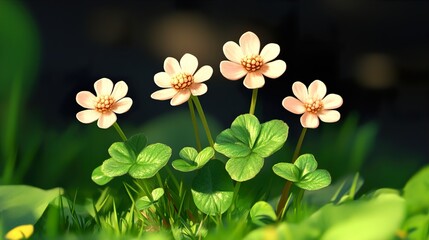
373,53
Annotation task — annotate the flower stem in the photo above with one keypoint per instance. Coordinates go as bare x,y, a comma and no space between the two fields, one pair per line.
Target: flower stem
194,123
253,101
288,184
203,119
120,132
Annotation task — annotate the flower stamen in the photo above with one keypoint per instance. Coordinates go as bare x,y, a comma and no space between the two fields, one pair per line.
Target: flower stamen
104,103
313,106
182,81
252,62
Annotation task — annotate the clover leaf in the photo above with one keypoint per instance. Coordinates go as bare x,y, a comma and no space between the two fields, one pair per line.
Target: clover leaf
145,202
247,143
304,173
192,160
262,213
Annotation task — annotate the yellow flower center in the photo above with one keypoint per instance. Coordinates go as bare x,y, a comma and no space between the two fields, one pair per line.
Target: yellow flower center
104,103
252,62
313,106
182,81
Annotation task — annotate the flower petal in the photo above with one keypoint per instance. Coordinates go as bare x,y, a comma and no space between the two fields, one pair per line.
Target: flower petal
249,43
274,69
181,97
106,120
189,63
309,120
162,79
232,51
88,116
171,66
164,94
85,99
198,89
332,101
317,90
300,91
232,70
254,80
270,51
293,105
120,90
329,116
103,87
122,105
203,74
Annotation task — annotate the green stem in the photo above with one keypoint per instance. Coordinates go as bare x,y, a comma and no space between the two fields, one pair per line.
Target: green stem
194,123
203,119
234,199
253,101
120,132
288,184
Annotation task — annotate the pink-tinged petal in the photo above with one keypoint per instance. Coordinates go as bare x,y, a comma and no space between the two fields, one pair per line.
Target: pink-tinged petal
189,63
249,43
254,80
122,105
270,51
198,89
274,69
332,101
293,105
300,91
164,94
120,90
103,87
162,79
106,120
171,66
232,52
85,99
232,70
329,116
181,97
317,90
309,120
203,74
88,116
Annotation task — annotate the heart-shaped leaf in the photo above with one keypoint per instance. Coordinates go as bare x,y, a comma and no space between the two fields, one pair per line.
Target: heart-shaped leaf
287,171
113,168
99,177
150,161
188,153
192,160
122,152
144,202
212,189
318,179
306,163
416,191
137,142
230,146
262,213
271,138
244,168
246,128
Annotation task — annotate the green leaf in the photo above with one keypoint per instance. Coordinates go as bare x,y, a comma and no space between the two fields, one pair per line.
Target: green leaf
144,202
416,191
150,161
287,171
306,163
244,168
272,136
262,213
21,204
122,153
212,189
184,165
204,156
137,142
188,153
99,177
113,168
230,146
318,179
246,128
